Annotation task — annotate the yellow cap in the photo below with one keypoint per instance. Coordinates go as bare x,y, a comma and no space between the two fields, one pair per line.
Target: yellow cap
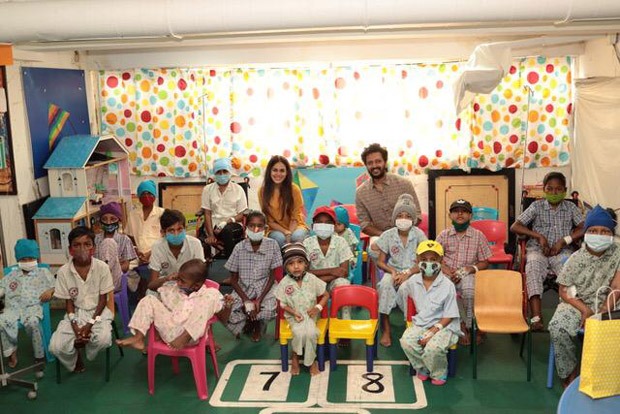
429,246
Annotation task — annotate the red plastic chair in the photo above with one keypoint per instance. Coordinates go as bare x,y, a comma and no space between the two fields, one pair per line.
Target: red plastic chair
354,295
197,354
278,275
495,232
423,224
411,311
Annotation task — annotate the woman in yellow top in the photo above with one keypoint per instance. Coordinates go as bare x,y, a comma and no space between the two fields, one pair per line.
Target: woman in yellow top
282,203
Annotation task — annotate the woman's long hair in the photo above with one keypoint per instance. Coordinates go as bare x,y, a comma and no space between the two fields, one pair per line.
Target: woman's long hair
286,188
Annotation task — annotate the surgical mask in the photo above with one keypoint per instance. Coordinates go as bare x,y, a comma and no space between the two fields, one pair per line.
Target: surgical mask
555,198
110,228
147,200
27,266
460,227
430,269
81,255
222,179
187,290
403,224
255,236
176,239
598,242
323,230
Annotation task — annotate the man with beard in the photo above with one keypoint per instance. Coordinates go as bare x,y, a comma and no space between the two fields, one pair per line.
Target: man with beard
375,199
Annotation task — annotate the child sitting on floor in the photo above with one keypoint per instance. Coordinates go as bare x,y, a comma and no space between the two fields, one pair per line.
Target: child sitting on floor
84,283
180,317
343,230
24,288
435,327
297,293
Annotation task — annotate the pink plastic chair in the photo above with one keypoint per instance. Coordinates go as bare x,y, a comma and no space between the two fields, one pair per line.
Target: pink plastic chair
210,337
197,354
495,232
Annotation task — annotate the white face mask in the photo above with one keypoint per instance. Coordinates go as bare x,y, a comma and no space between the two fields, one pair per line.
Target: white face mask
27,266
598,242
403,224
323,230
255,236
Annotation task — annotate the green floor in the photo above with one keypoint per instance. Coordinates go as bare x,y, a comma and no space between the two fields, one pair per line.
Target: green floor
501,387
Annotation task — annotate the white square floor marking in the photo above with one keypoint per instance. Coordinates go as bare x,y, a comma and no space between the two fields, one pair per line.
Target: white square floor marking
374,386
266,383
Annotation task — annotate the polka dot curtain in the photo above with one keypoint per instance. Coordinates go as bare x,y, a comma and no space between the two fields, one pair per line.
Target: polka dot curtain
176,122
505,134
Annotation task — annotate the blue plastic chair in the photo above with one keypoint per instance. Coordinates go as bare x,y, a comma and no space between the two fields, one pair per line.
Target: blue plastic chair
355,274
485,213
45,325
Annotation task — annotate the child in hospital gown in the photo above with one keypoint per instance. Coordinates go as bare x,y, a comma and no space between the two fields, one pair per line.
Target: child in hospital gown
24,288
297,293
181,316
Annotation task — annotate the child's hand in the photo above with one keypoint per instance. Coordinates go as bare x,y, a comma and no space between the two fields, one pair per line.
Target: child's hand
172,277
85,333
178,343
398,279
228,300
47,295
313,311
298,317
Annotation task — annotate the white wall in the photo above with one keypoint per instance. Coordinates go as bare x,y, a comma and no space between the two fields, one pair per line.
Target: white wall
599,59
28,189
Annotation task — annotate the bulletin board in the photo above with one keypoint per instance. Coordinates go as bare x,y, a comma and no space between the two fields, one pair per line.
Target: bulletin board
56,105
7,166
482,188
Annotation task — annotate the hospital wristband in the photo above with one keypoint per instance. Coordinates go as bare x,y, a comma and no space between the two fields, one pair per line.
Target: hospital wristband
72,317
475,269
438,326
91,321
568,240
319,307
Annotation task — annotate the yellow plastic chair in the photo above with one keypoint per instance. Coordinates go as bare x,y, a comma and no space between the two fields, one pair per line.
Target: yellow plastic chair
498,308
109,305
366,329
285,335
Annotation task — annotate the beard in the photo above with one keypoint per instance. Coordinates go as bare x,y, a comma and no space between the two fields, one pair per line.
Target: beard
377,173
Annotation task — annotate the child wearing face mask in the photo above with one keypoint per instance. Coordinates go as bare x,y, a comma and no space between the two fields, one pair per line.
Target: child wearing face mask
466,250
223,205
143,225
298,292
24,288
328,253
174,249
111,246
84,283
252,265
555,224
182,313
343,230
435,326
397,259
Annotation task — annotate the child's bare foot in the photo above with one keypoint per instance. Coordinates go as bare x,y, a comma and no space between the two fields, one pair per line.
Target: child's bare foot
314,369
295,364
256,334
13,359
386,339
135,341
79,364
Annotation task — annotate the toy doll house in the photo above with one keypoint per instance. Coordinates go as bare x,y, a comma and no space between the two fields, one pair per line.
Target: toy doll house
82,171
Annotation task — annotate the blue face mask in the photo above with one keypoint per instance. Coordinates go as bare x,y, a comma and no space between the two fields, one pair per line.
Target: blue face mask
222,179
598,242
187,290
109,228
176,239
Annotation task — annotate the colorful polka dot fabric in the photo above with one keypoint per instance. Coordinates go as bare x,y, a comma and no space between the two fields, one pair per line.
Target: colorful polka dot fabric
175,122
